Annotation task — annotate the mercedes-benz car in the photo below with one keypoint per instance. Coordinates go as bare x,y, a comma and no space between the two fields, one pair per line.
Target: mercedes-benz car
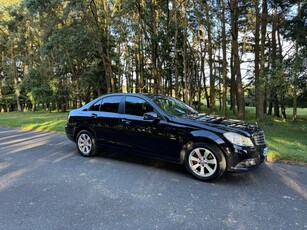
165,128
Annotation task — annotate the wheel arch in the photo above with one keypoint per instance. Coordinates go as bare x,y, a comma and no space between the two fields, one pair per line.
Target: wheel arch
201,136
80,128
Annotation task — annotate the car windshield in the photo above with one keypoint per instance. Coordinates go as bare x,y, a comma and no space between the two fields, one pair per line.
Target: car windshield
173,107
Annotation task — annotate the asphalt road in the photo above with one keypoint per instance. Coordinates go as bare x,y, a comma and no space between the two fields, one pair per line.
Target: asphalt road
45,184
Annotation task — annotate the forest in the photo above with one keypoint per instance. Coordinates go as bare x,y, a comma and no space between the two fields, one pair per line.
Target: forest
222,54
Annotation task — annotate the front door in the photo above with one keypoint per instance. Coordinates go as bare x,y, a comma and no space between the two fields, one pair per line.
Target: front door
149,137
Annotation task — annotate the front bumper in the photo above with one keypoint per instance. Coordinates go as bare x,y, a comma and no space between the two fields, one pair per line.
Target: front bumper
242,159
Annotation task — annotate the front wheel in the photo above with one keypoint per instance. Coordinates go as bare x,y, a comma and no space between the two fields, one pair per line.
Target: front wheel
86,144
205,161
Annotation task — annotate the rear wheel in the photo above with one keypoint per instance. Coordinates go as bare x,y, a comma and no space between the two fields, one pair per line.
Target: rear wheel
205,161
86,144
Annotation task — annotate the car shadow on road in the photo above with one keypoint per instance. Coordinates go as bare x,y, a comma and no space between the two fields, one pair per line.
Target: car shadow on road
144,161
262,176
227,178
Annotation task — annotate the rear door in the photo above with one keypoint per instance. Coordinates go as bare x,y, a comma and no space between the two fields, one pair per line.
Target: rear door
105,120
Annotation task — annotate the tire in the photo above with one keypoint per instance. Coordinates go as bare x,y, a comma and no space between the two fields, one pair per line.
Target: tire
205,162
86,144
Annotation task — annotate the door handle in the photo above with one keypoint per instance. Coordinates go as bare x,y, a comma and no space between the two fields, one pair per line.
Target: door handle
126,122
94,115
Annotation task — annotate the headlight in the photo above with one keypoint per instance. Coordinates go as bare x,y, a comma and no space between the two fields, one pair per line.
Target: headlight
238,139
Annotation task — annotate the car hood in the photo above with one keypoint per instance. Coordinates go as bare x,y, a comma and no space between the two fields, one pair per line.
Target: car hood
222,123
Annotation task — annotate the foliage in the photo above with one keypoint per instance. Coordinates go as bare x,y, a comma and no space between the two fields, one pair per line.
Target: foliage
37,88
61,54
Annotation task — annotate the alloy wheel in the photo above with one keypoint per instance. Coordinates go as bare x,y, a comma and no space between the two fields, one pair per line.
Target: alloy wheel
202,162
85,144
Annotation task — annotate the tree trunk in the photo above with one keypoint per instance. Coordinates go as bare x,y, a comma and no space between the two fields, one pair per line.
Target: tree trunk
202,64
154,49
258,81
143,83
294,118
276,105
184,54
274,61
233,88
282,91
119,69
236,58
262,74
224,95
15,77
210,61
176,73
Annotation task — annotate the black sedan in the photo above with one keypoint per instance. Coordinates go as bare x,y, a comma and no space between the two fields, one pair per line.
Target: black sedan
165,128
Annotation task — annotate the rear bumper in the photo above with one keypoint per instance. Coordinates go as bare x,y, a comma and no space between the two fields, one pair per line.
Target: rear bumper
69,130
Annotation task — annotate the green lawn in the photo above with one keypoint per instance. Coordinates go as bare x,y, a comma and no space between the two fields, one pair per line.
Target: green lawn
287,140
42,121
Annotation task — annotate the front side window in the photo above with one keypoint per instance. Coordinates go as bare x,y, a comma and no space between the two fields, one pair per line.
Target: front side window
110,104
173,107
96,106
137,106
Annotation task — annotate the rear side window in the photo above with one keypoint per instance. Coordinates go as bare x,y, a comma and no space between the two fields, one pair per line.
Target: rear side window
137,106
110,104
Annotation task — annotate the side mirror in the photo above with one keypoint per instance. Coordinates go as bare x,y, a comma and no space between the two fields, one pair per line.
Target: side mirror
150,116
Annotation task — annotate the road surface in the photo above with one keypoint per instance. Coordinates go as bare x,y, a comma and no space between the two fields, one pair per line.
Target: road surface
45,184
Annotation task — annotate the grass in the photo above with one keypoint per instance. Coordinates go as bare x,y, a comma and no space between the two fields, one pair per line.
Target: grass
41,121
287,141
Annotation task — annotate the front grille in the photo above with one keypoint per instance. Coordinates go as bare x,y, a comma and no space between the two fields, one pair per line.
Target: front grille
259,138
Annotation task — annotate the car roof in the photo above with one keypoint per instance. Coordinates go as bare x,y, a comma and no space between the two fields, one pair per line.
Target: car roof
148,95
